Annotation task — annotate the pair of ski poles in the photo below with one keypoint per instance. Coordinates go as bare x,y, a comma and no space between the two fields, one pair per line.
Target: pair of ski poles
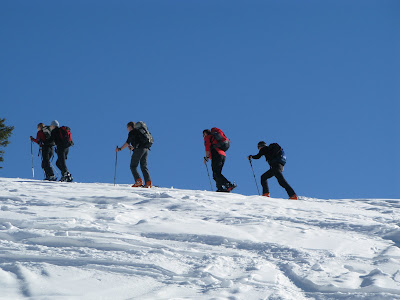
251,165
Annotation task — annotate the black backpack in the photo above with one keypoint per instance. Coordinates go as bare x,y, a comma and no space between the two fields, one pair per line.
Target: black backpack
47,133
278,155
145,138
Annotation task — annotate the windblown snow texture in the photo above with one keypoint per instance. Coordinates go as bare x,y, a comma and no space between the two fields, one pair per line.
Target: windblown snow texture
97,241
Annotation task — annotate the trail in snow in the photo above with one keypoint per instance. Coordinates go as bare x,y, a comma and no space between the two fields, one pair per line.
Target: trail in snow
97,241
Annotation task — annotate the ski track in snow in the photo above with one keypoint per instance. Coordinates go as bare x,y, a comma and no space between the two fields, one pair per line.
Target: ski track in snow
99,241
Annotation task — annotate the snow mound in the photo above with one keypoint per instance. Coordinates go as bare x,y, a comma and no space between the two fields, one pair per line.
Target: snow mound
99,241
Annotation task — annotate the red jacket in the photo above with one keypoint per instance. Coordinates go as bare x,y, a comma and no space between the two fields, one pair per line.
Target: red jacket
40,138
208,141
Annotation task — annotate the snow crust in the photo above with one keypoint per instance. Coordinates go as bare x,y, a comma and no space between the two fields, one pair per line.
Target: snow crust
99,241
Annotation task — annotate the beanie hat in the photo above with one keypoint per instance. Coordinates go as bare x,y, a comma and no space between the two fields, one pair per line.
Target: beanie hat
261,144
55,123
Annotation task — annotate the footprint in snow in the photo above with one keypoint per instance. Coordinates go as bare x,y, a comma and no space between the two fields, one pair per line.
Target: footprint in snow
158,195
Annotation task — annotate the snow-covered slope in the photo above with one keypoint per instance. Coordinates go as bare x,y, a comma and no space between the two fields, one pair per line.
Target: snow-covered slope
97,241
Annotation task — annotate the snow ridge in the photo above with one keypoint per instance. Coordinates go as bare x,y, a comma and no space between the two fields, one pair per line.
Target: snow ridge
97,241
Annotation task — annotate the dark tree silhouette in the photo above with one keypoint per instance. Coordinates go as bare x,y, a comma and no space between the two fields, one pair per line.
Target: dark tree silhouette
5,133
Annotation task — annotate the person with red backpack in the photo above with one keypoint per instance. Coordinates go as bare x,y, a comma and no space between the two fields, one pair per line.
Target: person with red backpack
276,158
216,143
43,139
63,140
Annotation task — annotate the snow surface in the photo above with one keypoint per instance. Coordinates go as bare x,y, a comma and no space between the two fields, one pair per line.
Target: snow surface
99,241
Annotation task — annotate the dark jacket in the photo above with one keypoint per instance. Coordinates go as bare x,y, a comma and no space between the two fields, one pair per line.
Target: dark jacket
273,154
135,139
56,137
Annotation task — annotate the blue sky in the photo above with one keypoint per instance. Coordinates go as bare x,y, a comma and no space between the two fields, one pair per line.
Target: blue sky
321,78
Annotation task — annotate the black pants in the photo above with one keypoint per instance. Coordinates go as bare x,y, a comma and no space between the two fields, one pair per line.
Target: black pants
140,155
276,170
62,154
47,154
217,163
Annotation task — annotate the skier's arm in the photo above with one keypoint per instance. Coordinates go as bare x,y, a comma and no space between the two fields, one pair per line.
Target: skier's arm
129,141
122,148
207,157
40,138
256,156
34,140
207,144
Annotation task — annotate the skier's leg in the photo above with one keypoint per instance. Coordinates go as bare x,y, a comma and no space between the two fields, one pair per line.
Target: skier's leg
264,180
143,165
46,155
282,181
44,162
65,155
135,159
51,153
61,162
216,165
66,151
224,181
60,158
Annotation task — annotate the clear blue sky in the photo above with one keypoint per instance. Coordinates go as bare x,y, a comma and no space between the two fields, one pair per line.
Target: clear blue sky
321,78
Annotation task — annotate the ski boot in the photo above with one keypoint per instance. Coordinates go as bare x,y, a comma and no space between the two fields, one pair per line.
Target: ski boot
294,197
138,183
67,177
51,178
148,184
230,187
266,195
221,189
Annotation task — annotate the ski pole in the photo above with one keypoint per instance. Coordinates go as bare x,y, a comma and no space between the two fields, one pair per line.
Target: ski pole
115,172
209,178
54,168
254,176
33,169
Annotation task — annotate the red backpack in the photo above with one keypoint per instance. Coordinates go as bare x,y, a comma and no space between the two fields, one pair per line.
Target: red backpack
66,137
223,142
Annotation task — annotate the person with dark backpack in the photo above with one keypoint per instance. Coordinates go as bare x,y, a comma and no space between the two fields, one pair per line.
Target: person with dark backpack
139,140
216,143
43,139
63,140
276,158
